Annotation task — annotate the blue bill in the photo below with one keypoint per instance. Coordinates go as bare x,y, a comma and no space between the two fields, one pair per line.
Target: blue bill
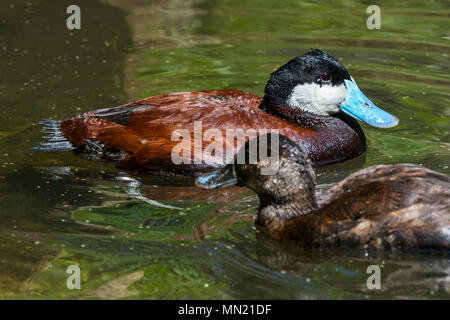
357,105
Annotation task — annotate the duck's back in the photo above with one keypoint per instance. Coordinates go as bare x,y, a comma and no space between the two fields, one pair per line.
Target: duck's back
401,206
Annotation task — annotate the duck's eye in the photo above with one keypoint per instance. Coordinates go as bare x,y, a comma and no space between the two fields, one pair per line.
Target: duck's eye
326,77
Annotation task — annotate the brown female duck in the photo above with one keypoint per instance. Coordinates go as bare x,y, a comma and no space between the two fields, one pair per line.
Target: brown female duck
399,206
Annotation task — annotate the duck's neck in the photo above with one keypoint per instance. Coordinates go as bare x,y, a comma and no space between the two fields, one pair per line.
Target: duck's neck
274,218
297,115
308,119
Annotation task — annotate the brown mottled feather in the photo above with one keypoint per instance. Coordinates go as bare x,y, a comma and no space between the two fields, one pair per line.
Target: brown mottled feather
401,206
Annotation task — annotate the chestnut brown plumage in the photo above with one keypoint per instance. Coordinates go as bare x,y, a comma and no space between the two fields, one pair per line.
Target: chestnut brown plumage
138,135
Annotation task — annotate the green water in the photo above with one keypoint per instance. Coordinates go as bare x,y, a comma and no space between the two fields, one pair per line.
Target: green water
57,209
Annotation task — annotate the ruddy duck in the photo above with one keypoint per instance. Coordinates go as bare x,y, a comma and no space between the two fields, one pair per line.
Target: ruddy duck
312,99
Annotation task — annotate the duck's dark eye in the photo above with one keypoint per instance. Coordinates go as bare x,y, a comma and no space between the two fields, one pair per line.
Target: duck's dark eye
325,77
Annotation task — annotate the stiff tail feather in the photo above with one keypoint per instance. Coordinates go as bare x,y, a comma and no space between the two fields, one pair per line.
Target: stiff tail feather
55,140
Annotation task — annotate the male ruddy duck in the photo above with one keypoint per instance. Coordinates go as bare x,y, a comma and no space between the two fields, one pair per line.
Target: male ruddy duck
312,99
398,206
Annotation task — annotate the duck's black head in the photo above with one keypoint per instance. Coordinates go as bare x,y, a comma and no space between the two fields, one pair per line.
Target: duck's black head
273,166
313,82
318,83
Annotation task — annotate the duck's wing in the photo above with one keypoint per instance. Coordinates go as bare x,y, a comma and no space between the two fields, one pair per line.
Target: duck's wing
144,130
139,117
383,188
388,206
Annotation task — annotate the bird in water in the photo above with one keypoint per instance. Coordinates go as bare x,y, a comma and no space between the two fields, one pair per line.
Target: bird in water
312,99
389,207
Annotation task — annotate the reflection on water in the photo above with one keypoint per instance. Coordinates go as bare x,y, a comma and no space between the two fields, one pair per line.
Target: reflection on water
57,209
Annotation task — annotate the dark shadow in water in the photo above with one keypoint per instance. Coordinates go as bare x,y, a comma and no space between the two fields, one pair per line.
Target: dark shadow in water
49,71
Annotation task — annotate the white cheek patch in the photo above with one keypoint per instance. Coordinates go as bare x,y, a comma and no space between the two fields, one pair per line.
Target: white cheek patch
322,100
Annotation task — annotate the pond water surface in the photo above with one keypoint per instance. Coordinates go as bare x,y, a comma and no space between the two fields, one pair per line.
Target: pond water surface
57,209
